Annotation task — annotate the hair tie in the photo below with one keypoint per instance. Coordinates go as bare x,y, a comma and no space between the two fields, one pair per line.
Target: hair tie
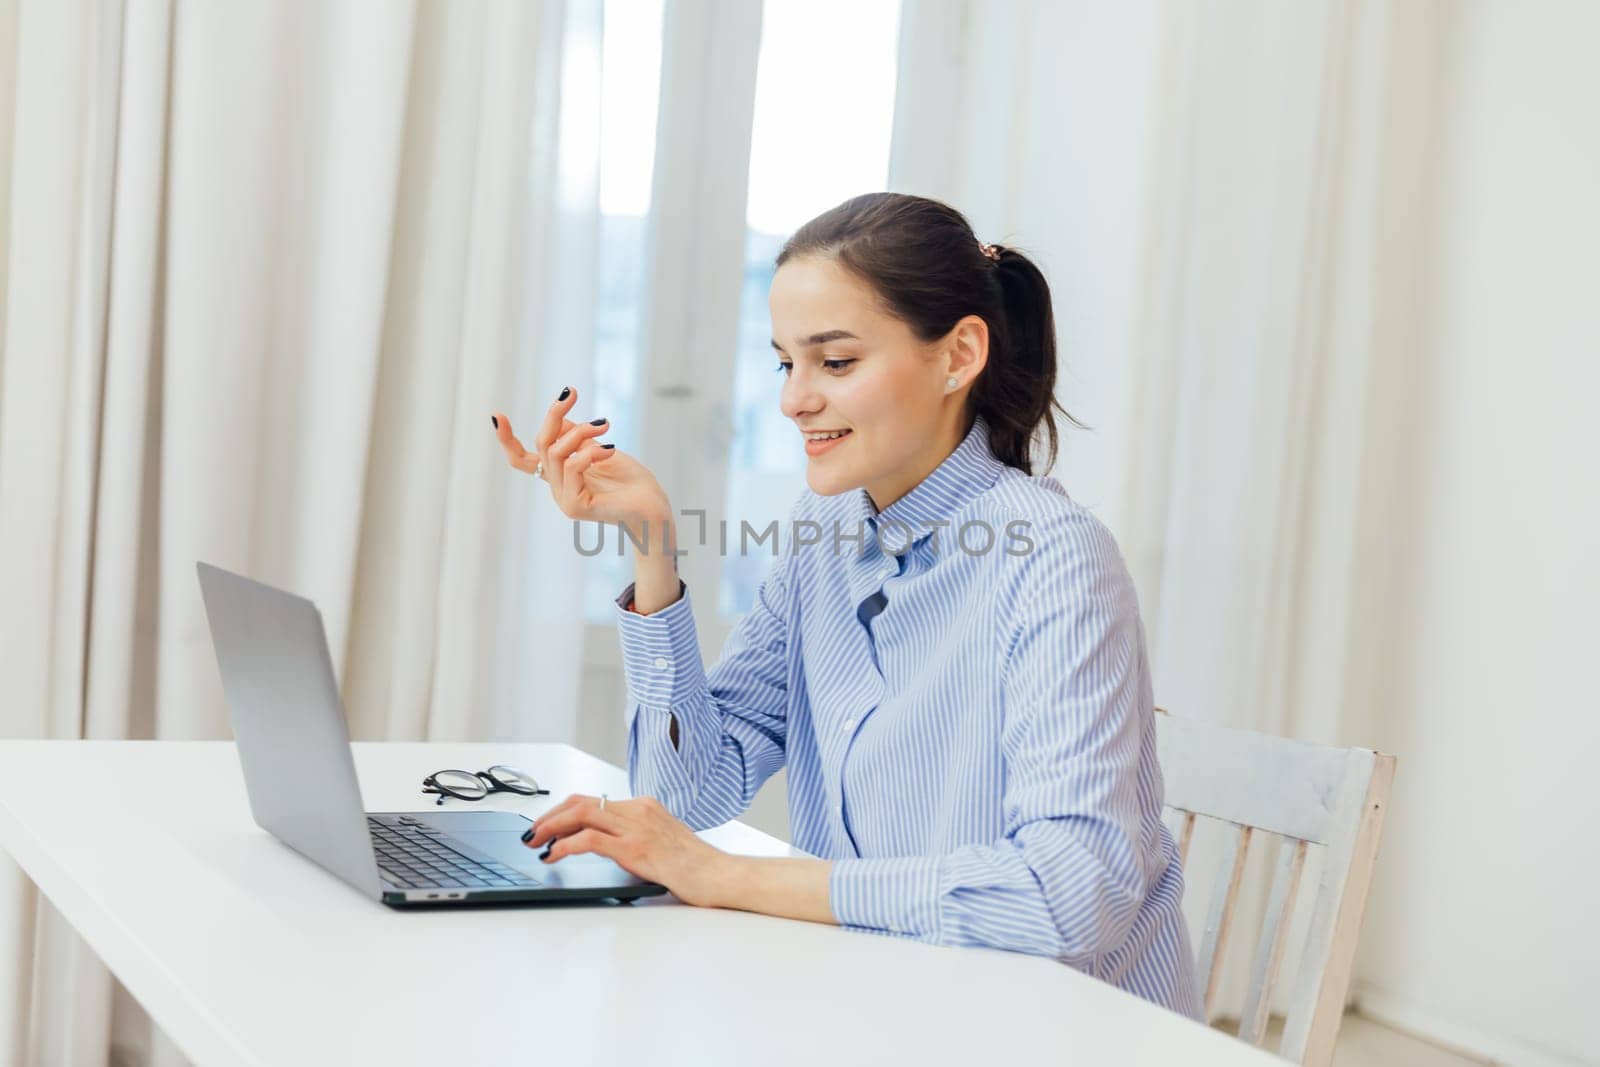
992,251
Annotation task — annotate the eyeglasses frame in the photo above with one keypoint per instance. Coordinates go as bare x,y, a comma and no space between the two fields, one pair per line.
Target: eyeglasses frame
430,784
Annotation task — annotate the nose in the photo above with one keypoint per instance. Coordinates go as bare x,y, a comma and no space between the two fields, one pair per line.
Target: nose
799,397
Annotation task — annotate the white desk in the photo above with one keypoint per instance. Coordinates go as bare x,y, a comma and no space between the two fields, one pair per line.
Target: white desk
246,953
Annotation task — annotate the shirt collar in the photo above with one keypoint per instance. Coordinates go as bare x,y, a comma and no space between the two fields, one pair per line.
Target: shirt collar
968,471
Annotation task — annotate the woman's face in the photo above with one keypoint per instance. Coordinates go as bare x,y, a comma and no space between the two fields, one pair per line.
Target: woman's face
851,367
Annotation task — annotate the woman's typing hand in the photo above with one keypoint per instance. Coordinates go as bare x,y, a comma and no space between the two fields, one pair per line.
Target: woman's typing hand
643,838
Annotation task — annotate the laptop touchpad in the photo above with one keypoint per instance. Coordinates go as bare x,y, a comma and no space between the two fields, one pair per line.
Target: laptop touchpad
586,869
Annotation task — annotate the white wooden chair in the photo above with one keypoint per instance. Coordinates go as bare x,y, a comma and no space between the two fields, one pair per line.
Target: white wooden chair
1312,796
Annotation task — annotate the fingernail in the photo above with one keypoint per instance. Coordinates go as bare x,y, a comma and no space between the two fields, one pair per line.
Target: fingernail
545,855
566,391
495,421
608,446
597,422
527,835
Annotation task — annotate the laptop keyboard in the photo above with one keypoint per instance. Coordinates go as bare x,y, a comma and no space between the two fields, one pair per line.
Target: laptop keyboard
412,856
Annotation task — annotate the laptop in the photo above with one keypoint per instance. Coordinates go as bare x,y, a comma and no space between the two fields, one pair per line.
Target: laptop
294,746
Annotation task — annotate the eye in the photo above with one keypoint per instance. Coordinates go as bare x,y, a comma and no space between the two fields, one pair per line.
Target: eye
835,365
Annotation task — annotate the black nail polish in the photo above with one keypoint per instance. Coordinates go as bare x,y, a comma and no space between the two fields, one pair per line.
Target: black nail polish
495,421
565,392
608,446
597,422
546,853
527,835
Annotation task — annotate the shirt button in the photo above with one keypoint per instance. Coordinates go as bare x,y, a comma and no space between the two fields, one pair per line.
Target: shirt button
661,662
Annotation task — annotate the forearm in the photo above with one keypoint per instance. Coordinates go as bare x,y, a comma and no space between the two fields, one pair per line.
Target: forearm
702,743
1051,898
655,572
655,566
791,888
704,784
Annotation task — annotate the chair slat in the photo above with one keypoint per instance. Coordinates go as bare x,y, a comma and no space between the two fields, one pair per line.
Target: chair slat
1274,936
1214,942
1318,1001
1180,824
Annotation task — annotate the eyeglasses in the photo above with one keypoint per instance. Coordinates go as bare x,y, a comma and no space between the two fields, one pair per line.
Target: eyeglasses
475,785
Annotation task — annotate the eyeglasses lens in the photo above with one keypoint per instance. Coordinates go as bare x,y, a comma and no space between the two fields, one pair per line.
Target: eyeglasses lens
462,784
513,779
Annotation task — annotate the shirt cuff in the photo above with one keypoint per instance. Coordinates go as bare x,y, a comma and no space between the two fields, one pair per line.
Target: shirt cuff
660,652
899,894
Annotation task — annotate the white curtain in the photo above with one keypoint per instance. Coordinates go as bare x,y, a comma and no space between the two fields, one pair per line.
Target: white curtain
1226,201
269,268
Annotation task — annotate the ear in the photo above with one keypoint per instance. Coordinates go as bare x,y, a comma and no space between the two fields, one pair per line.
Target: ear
967,349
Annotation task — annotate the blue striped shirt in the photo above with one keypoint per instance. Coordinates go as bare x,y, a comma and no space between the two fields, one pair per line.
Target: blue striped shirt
959,689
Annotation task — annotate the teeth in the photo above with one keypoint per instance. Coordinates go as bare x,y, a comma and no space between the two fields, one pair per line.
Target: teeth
826,436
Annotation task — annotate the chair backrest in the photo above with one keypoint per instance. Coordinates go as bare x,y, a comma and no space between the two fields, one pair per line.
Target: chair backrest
1311,796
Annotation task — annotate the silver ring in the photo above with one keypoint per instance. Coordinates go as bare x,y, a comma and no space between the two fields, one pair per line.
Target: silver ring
602,802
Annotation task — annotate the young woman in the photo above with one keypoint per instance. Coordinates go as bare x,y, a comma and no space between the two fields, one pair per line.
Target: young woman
946,654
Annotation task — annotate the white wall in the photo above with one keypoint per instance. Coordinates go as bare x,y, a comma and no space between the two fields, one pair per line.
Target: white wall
1483,926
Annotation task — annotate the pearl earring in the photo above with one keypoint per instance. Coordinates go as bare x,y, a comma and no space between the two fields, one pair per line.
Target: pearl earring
951,383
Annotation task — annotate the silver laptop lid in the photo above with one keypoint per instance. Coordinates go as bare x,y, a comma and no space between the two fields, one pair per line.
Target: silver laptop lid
289,723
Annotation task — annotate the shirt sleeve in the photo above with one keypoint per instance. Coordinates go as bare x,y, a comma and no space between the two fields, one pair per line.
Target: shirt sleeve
731,722
1067,879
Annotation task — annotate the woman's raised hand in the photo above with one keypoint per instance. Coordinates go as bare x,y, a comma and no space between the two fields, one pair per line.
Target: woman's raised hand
588,480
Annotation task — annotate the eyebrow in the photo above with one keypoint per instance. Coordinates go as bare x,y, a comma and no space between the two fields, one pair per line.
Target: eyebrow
820,339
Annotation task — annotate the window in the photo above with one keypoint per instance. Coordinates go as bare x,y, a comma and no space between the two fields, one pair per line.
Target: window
824,110
824,115
630,83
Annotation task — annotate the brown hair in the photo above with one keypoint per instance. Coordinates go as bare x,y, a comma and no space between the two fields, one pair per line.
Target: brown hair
930,271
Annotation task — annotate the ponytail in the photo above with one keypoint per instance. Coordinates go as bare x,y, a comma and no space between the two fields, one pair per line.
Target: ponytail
1016,393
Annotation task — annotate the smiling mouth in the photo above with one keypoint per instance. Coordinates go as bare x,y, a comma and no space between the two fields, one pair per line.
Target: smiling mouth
819,446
